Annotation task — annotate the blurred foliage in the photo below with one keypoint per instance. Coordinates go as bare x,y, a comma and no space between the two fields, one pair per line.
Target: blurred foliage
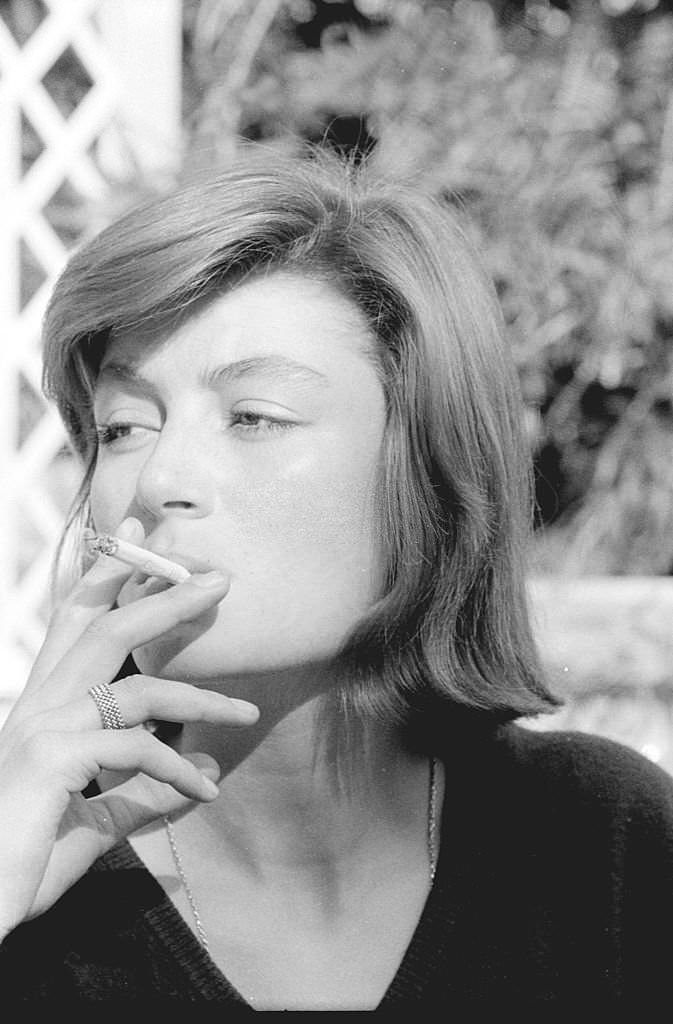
551,125
553,130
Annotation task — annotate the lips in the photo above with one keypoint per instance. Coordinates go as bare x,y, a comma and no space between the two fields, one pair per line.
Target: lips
141,585
190,563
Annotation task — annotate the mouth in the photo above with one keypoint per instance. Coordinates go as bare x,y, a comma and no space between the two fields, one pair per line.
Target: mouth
142,584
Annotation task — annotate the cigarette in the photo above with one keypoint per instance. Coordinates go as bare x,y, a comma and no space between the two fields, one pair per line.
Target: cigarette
141,558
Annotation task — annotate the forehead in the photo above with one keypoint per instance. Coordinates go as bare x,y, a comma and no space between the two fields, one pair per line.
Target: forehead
281,315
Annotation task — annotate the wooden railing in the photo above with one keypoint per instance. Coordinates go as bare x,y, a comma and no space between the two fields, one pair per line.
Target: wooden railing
607,644
62,152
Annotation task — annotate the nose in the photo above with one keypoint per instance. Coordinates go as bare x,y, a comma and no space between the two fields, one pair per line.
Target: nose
175,478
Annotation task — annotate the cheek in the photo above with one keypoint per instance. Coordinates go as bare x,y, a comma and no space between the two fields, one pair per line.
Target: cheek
319,517
110,499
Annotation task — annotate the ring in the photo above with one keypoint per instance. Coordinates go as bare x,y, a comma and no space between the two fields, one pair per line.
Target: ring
107,705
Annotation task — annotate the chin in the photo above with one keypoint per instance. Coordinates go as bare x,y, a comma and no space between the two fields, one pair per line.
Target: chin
193,659
179,658
201,658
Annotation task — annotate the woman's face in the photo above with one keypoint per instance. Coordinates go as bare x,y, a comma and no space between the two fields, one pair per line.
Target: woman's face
249,439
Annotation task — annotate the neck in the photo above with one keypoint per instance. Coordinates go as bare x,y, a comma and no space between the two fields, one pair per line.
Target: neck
283,804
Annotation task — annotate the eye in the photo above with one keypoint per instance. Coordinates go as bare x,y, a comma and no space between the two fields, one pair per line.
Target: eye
247,421
120,435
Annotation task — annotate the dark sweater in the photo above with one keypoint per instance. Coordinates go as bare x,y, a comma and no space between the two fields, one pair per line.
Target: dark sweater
554,889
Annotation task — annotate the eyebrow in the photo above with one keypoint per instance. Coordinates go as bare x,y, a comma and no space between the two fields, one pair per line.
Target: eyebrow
278,368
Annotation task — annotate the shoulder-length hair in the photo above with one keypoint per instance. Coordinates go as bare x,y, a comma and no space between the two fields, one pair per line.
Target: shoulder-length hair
452,625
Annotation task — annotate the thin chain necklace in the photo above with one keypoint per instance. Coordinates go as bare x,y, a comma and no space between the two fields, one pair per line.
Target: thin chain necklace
433,850
433,837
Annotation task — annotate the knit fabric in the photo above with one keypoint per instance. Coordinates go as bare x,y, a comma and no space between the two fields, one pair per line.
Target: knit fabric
554,888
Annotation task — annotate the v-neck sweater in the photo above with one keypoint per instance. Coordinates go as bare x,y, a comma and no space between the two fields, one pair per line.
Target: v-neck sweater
554,889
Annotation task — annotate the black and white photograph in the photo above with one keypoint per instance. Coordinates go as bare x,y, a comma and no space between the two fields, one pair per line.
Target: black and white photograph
336,506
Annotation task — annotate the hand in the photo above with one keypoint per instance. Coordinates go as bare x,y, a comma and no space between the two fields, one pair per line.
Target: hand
53,744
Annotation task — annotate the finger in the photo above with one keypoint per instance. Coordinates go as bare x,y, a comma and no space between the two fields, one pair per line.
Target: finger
67,763
142,698
100,651
139,800
94,594
101,822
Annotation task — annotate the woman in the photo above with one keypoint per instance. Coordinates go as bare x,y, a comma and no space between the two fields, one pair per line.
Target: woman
291,380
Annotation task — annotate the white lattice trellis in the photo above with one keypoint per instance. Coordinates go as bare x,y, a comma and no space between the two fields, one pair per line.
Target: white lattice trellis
127,53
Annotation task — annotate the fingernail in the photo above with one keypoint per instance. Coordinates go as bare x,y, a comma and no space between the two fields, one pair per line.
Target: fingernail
210,580
210,787
128,528
245,707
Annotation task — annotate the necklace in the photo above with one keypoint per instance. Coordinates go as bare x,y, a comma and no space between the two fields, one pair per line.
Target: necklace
433,851
433,838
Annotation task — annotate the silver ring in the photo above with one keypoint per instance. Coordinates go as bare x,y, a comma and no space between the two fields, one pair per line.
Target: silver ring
107,705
